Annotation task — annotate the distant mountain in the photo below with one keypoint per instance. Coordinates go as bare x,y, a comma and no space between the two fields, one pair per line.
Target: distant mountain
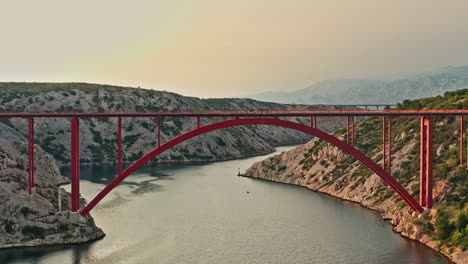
356,91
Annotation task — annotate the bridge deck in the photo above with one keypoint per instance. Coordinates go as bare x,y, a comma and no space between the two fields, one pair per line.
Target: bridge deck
274,113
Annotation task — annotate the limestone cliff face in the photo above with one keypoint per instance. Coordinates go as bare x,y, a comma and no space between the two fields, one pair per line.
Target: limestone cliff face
30,220
322,167
98,136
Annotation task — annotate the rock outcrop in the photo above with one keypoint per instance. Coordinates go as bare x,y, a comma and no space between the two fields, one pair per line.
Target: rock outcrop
32,220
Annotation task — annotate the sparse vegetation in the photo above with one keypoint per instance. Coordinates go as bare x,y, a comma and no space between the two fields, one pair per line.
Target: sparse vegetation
449,225
33,231
25,210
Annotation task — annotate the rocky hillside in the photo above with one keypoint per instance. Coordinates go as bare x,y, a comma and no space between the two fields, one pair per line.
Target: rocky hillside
98,136
320,166
357,91
30,220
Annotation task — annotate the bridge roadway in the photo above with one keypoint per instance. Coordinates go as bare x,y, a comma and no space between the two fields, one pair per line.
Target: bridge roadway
210,113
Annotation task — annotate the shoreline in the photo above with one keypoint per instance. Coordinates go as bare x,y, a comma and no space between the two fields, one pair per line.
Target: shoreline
374,210
48,245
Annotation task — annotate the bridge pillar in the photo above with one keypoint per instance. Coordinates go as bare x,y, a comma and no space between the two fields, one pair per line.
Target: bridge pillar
462,141
313,122
159,132
31,155
390,145
347,130
426,161
350,137
384,142
387,144
119,145
75,165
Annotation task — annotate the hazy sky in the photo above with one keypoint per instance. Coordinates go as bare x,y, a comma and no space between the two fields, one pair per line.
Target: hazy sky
216,48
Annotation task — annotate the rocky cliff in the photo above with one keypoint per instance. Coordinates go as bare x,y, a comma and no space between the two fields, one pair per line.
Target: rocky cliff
98,136
322,167
31,220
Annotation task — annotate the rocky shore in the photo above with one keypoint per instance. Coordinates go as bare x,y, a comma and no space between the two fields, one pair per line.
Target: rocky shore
399,220
36,220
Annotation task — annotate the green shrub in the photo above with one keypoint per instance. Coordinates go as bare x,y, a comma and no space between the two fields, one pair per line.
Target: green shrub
25,210
9,226
33,231
427,228
443,226
460,238
462,221
220,141
63,227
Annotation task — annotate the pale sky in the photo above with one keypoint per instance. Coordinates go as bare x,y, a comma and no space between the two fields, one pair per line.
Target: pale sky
216,48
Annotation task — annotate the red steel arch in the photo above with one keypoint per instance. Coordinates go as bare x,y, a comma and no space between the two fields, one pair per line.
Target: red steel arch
258,121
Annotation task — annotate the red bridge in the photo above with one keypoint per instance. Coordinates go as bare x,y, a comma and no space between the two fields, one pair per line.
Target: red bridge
242,118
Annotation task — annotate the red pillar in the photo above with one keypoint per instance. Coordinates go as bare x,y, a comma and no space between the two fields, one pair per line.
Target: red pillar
426,162
313,122
354,137
198,122
347,129
75,165
31,155
390,145
462,140
119,145
159,132
384,142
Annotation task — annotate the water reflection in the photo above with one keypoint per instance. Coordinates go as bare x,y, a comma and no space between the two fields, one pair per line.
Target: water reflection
80,252
206,215
104,174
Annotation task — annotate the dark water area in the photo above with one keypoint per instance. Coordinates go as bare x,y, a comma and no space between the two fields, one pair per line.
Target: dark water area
204,213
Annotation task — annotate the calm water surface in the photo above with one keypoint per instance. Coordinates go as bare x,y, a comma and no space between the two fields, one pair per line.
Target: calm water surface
206,214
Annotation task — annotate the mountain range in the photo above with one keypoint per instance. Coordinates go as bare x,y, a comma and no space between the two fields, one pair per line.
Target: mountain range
359,91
